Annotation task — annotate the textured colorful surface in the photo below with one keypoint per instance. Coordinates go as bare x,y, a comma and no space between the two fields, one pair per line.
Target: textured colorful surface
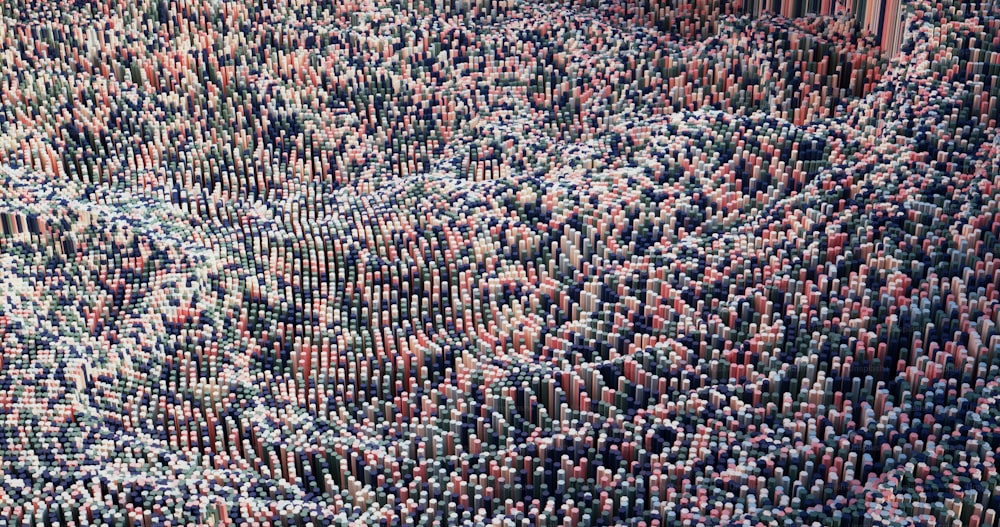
510,263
